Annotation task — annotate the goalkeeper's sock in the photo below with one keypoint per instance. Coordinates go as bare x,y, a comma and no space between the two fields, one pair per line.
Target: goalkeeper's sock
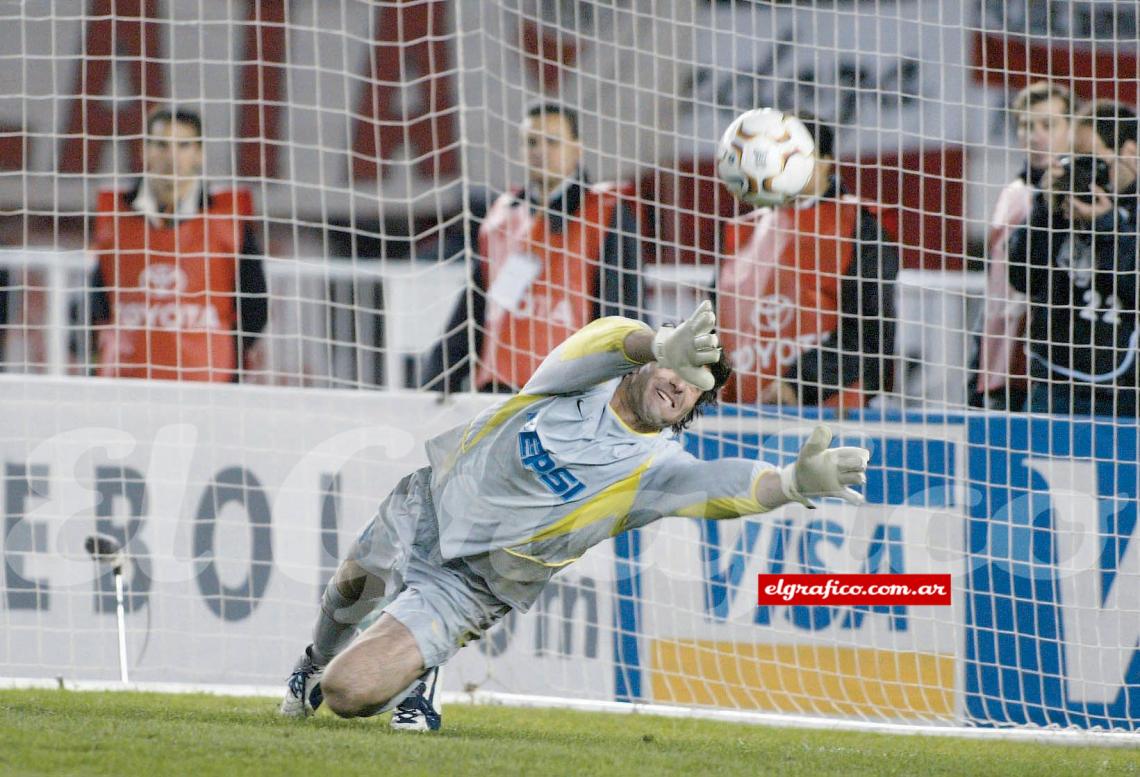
335,627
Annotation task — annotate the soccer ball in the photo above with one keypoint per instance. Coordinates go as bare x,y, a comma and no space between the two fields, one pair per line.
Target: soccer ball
766,157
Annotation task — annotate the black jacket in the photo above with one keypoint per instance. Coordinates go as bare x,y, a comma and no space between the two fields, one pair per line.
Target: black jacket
1081,282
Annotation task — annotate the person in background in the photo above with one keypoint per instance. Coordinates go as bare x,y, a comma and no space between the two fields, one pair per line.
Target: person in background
1044,115
552,257
178,292
1076,262
1107,130
805,295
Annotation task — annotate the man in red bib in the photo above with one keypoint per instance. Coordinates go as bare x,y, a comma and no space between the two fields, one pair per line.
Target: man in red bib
178,292
552,257
805,296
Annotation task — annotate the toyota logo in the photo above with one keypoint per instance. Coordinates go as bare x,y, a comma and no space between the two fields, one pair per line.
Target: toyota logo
773,313
162,280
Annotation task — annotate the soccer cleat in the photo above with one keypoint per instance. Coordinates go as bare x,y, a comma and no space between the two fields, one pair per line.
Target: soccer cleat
303,693
418,711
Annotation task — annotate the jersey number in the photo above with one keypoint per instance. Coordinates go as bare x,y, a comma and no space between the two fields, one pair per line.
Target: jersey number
1109,312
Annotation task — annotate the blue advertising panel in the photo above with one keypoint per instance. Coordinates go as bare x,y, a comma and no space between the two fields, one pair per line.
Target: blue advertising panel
1050,556
686,582
1053,573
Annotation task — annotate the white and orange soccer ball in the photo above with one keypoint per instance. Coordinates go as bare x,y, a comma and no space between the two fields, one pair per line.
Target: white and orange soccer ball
766,157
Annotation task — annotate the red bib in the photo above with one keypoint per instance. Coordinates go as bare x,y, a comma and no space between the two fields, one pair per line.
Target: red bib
171,290
542,285
778,295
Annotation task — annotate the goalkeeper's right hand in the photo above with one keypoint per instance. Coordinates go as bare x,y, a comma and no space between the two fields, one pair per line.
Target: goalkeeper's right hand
687,348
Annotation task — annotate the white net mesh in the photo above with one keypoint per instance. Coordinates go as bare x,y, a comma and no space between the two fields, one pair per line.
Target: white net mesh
358,213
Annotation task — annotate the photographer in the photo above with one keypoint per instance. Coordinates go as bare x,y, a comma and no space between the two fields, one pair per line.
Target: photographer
1107,130
1076,262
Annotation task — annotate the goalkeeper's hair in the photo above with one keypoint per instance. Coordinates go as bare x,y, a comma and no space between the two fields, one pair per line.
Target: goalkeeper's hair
721,371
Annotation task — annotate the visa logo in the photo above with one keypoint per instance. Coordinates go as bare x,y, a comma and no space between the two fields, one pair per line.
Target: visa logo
560,481
1096,576
775,547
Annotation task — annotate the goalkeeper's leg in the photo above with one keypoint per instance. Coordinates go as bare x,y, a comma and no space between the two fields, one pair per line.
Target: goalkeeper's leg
349,597
376,672
392,664
431,608
372,573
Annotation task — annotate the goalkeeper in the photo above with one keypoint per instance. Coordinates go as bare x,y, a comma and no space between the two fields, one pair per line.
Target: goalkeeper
579,455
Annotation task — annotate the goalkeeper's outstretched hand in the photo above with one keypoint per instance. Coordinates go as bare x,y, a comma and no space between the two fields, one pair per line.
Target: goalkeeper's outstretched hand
823,471
687,348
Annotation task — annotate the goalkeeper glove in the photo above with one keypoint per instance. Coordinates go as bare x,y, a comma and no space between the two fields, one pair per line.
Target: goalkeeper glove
820,471
686,349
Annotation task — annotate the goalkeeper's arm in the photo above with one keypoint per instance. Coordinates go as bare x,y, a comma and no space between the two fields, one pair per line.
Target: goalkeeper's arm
613,346
730,488
594,354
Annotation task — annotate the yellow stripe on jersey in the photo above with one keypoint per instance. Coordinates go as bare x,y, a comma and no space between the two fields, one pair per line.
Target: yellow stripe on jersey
615,501
540,562
724,507
509,409
600,336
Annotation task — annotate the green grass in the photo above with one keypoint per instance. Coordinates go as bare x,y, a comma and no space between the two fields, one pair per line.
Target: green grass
128,734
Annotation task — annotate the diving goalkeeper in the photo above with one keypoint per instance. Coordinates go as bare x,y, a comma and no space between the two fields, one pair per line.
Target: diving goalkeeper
579,455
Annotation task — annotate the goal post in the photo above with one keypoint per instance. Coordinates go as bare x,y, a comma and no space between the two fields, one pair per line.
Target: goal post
369,151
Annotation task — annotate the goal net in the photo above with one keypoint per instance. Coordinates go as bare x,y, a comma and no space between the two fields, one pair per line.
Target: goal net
226,331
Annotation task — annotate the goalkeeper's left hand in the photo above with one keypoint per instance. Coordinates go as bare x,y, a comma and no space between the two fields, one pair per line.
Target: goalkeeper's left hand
822,471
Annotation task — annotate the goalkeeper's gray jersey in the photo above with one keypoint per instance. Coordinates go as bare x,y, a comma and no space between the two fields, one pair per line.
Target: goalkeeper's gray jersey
535,481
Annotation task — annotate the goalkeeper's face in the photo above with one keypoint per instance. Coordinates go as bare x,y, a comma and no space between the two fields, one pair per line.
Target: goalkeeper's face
659,397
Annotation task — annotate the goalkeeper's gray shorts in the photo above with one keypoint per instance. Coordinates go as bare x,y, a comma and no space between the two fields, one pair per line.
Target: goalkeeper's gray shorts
438,601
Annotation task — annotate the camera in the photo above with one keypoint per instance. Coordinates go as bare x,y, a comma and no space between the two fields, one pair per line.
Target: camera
1079,174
